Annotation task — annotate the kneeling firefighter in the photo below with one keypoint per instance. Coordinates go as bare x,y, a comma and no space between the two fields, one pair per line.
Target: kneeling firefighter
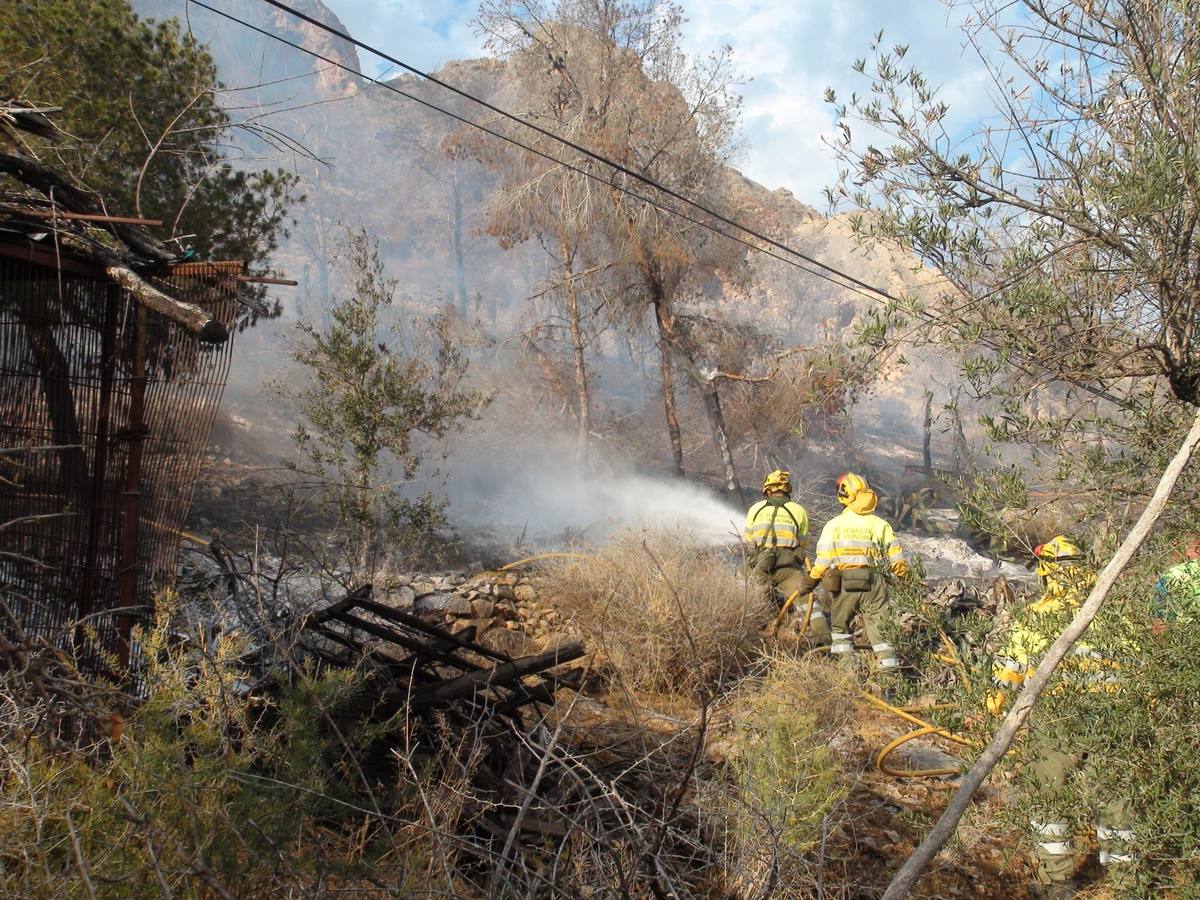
855,549
777,532
1058,752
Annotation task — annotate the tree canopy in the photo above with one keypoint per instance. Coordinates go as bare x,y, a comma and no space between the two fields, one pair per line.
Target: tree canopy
145,123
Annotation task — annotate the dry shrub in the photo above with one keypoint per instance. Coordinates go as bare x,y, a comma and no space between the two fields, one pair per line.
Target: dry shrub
807,395
786,780
208,791
668,616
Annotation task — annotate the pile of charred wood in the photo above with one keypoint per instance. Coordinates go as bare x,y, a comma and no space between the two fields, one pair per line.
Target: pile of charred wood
546,802
420,666
537,794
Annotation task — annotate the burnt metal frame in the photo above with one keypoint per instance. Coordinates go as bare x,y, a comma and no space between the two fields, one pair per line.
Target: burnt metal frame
143,396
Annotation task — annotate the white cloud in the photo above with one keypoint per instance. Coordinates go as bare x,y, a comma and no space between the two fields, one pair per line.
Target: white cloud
792,52
425,34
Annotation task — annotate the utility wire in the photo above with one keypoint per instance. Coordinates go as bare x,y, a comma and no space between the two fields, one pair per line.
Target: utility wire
855,285
579,148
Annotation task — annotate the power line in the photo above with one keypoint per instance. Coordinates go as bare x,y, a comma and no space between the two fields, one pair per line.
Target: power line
856,285
579,148
657,204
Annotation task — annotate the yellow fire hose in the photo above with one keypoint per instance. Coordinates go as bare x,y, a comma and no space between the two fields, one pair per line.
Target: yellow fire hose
881,757
787,605
923,729
540,556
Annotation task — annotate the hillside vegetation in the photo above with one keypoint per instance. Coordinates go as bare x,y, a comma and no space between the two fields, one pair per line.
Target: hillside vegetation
463,607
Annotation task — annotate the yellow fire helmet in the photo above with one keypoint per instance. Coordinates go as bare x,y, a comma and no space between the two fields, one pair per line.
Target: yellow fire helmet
850,486
1054,553
779,480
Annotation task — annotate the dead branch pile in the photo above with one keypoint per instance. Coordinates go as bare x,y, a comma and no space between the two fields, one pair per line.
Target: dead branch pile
533,812
442,744
46,693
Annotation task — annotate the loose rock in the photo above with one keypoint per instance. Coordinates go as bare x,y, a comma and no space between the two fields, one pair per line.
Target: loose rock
445,603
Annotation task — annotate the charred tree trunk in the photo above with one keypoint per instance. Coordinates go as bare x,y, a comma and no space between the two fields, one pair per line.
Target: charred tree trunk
716,418
712,405
670,342
663,320
926,446
460,271
582,392
963,460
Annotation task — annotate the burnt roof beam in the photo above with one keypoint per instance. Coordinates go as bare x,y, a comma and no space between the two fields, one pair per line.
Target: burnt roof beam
77,200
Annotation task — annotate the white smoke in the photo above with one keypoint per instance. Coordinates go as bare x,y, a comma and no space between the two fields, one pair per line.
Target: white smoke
540,493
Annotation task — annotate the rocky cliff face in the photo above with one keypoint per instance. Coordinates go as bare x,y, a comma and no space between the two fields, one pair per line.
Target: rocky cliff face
245,58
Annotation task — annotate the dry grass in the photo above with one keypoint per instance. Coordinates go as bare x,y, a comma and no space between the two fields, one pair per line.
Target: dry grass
666,615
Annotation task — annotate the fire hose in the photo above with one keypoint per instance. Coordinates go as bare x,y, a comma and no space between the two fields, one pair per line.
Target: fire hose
540,556
924,728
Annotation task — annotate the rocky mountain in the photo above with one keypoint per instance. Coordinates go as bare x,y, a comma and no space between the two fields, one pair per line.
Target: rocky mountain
374,157
247,59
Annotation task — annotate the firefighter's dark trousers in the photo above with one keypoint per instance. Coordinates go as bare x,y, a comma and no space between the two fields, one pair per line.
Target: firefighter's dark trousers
1053,761
785,570
862,591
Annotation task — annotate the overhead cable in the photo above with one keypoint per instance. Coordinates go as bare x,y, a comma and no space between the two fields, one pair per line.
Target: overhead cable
854,284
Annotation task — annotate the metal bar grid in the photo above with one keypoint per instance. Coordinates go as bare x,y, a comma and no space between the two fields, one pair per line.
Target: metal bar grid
104,416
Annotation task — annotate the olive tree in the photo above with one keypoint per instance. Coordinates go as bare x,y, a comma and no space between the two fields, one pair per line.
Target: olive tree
376,386
1065,229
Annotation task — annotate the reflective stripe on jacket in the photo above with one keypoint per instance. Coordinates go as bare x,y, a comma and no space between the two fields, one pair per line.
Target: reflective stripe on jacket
1037,626
854,540
777,523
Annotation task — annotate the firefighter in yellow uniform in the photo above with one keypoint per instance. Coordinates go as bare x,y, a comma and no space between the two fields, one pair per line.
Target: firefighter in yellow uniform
854,551
777,534
1054,759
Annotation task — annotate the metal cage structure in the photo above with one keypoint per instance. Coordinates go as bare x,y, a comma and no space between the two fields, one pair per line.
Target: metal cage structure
105,411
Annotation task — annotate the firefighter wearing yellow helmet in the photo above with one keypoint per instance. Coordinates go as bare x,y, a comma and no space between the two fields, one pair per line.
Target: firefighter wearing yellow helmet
855,549
777,534
1054,758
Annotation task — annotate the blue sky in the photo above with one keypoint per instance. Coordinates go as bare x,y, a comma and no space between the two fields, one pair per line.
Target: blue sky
790,52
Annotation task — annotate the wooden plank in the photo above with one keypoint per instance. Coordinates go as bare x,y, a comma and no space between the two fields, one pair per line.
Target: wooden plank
427,651
79,217
400,617
351,600
48,259
502,675
266,279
